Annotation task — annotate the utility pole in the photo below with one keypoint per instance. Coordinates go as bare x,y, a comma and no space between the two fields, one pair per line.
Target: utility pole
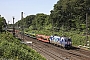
86,30
87,42
22,26
52,27
52,22
13,28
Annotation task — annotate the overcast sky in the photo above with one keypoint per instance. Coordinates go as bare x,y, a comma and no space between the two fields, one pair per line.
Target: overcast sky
10,8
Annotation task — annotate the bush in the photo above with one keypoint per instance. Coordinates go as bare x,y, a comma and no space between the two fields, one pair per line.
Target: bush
12,48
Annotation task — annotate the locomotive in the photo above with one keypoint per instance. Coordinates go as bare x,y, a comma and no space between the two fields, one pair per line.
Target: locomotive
61,41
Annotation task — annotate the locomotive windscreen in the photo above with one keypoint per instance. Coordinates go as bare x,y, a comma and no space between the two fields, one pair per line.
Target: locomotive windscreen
69,39
66,40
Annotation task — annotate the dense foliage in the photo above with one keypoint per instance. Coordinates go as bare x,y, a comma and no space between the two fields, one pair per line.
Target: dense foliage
40,21
12,48
71,14
26,22
2,23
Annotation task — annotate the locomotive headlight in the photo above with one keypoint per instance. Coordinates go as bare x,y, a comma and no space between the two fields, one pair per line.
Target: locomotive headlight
70,42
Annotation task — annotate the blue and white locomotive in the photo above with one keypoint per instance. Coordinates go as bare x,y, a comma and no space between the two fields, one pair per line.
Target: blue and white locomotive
61,41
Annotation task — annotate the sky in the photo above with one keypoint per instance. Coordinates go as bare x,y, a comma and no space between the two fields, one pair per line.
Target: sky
13,8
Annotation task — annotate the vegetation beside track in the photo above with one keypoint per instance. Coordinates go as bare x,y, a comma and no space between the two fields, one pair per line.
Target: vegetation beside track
12,48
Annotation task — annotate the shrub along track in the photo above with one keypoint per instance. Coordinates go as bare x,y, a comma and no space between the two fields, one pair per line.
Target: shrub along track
52,52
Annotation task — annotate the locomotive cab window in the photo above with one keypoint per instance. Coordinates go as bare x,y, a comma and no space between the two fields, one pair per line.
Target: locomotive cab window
62,39
69,39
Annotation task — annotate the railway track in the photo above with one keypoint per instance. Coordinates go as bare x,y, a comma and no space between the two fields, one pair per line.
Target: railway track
52,52
71,55
43,49
49,54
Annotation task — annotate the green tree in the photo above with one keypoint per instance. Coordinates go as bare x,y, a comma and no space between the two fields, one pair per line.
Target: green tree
2,23
26,22
40,21
69,13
